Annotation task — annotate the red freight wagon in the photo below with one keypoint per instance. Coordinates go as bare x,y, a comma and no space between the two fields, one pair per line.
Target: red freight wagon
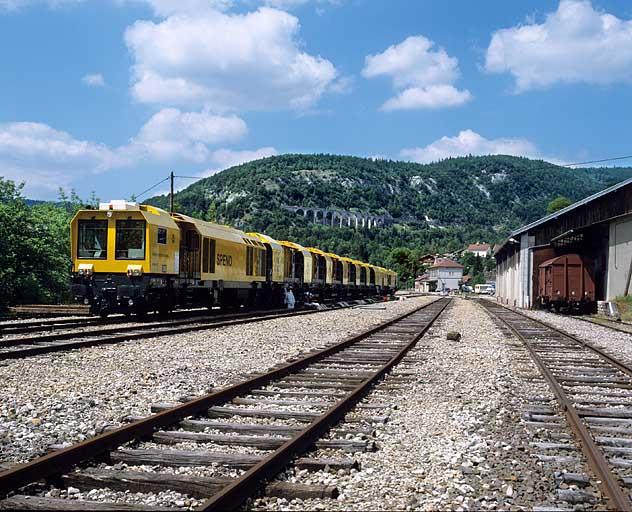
566,283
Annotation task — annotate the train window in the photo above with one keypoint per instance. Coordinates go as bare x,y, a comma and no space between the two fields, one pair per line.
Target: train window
130,240
205,254
288,262
352,273
262,262
208,256
337,270
249,255
92,242
162,236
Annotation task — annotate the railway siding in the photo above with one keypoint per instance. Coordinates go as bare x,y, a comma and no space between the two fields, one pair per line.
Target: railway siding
379,349
455,438
593,391
614,342
65,397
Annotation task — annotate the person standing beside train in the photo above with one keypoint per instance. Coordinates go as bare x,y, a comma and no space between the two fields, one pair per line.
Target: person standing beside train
290,300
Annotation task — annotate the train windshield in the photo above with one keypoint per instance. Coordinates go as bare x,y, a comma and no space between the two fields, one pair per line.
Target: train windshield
130,239
93,239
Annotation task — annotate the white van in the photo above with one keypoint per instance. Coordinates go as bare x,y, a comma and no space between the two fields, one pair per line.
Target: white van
485,289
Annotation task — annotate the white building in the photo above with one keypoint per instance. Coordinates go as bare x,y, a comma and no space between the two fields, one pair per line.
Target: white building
444,275
482,250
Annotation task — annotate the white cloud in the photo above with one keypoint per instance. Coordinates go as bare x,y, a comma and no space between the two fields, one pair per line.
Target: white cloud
225,158
94,80
174,135
226,62
468,142
575,44
422,76
47,158
433,96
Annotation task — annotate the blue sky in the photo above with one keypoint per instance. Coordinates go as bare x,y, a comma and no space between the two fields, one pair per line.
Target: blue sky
110,95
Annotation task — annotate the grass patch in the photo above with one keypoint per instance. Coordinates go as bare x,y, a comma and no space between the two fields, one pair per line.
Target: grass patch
625,307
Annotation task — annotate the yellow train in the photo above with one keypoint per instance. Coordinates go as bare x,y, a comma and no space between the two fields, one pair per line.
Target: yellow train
137,258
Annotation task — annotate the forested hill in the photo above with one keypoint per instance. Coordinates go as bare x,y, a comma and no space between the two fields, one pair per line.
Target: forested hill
438,206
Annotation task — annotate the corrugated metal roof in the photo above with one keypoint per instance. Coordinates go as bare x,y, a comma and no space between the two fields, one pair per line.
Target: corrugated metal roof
572,207
564,211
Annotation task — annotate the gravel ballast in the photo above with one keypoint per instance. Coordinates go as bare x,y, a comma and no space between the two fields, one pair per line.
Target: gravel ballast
615,343
455,439
67,397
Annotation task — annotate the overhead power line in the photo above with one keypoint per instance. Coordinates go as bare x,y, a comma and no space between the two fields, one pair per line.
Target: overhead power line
151,188
599,161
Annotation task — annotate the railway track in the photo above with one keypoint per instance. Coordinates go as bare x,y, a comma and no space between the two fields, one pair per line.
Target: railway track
107,333
593,389
48,310
609,324
41,326
299,401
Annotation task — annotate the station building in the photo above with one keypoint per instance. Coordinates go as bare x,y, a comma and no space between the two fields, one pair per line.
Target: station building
598,227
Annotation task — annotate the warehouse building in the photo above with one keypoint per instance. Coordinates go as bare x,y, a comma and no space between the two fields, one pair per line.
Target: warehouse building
598,227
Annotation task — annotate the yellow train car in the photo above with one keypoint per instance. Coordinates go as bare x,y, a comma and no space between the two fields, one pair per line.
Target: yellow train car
135,258
350,279
298,265
322,273
123,256
219,264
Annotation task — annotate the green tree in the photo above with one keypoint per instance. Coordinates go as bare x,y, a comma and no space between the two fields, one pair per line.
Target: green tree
558,203
34,248
211,213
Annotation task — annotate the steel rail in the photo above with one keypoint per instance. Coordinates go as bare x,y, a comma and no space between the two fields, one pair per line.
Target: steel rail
232,496
612,360
615,327
113,329
44,325
608,481
50,324
63,460
116,335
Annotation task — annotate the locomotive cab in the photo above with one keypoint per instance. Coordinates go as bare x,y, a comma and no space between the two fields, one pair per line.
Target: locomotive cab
124,258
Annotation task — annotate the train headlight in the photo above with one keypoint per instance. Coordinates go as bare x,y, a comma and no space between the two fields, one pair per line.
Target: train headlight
86,269
134,270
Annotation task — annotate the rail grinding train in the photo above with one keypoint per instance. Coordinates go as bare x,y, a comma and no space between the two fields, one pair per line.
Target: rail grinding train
134,258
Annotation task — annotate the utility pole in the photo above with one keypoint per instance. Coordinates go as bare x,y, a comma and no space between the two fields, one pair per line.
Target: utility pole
171,193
